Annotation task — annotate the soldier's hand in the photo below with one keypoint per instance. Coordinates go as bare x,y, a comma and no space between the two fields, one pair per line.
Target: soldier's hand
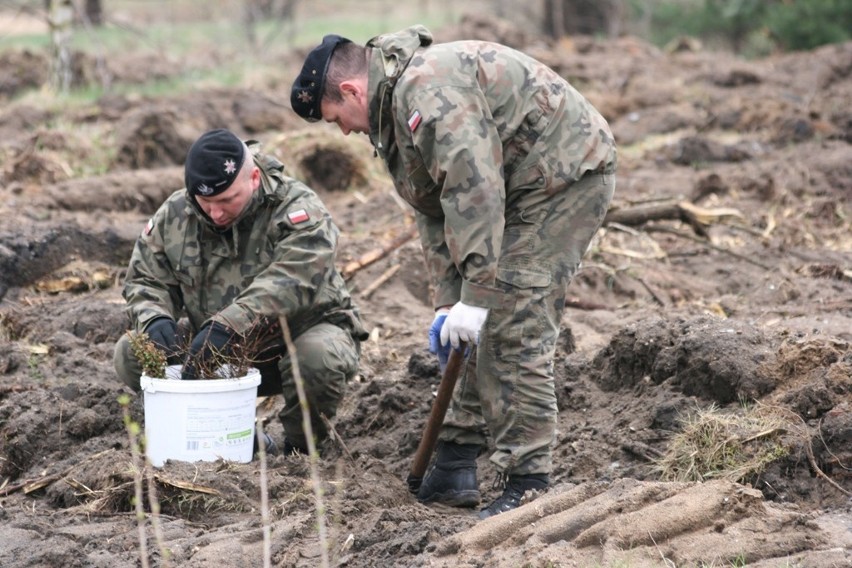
463,324
212,341
163,334
435,346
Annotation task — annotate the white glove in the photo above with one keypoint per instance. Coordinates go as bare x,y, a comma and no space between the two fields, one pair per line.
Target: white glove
463,324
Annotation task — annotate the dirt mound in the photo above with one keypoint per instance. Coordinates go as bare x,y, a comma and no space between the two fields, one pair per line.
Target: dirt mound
640,523
720,284
21,70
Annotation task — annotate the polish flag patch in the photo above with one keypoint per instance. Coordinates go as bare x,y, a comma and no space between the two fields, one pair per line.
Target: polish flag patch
298,216
414,120
149,227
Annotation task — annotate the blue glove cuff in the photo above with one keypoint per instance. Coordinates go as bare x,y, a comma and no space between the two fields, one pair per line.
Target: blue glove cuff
435,333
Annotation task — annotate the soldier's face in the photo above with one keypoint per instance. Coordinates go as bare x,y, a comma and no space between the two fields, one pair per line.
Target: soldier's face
349,114
226,207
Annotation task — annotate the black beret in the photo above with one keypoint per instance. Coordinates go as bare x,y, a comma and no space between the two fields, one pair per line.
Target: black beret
306,94
213,162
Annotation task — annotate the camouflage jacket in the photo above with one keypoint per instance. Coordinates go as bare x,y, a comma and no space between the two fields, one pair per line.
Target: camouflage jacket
473,132
270,262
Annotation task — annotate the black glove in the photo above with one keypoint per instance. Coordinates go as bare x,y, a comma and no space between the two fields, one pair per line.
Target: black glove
163,333
214,340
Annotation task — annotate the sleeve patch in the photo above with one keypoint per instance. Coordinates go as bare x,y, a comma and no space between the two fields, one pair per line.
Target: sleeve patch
298,216
414,120
149,227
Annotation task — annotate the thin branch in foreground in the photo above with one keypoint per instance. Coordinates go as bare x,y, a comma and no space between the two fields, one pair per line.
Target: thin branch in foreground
154,503
264,497
309,435
133,432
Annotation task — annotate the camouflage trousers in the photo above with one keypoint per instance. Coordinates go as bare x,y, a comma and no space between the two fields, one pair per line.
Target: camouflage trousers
327,359
506,387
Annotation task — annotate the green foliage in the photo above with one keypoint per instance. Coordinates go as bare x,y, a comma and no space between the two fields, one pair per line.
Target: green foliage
809,24
33,362
153,360
672,19
752,27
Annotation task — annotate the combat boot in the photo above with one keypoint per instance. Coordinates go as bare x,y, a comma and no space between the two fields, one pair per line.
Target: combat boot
452,480
291,449
269,445
513,493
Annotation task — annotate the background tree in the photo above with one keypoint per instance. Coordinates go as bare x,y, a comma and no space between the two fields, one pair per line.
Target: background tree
94,12
583,17
60,19
281,13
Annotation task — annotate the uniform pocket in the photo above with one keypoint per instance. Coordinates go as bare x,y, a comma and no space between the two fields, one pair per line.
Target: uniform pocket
523,278
423,193
516,331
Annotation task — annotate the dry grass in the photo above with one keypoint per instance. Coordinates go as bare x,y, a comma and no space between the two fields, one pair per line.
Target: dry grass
730,445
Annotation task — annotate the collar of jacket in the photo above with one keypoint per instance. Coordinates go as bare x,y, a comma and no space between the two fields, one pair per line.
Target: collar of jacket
390,54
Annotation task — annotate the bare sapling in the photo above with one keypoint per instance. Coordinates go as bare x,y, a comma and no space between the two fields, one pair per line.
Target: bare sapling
312,447
264,496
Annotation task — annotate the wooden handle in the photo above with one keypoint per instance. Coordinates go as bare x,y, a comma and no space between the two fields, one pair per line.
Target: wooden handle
436,418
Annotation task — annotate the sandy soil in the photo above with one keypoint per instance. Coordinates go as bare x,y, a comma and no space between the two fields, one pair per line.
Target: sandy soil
723,279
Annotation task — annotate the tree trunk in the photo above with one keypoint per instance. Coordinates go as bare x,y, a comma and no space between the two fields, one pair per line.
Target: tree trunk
94,12
60,19
582,17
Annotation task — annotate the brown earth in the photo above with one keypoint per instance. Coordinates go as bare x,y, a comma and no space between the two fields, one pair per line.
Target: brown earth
723,279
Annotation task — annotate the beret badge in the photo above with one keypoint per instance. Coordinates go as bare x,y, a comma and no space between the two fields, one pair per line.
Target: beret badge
213,162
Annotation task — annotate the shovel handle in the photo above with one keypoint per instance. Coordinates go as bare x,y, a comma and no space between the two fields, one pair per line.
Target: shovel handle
436,418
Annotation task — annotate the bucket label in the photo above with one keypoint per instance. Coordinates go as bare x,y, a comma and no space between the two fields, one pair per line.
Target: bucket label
218,428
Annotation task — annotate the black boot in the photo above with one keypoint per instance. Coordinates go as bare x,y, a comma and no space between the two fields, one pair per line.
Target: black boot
516,487
291,449
452,480
269,445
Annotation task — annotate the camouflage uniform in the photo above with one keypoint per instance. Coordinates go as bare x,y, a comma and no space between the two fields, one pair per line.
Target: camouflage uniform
271,262
510,171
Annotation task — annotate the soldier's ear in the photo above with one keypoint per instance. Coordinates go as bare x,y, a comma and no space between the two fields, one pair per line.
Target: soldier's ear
348,87
354,87
255,177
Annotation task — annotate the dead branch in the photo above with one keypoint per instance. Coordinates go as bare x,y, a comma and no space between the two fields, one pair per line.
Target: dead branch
656,297
377,254
386,275
642,450
696,217
820,473
673,231
14,388
187,485
337,438
31,485
809,449
579,304
641,214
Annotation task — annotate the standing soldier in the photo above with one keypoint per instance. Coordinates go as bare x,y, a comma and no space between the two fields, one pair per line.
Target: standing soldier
510,171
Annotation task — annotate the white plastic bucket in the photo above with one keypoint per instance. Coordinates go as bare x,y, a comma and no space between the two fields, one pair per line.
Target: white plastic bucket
201,420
